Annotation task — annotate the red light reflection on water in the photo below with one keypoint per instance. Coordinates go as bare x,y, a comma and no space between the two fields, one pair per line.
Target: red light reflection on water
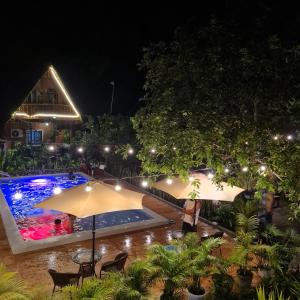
43,226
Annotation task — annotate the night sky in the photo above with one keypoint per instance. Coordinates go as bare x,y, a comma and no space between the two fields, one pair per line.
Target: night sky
91,45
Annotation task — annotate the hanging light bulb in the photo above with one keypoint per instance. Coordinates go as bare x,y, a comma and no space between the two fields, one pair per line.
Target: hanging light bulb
226,170
153,150
80,149
144,183
130,151
191,178
106,149
263,168
88,188
245,169
169,181
57,190
210,175
18,195
118,187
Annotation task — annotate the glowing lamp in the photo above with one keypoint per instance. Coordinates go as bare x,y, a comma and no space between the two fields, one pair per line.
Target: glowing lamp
88,188
106,149
226,170
191,178
152,150
57,190
144,183
130,151
169,181
51,148
210,175
80,150
174,148
263,168
245,169
18,195
275,137
289,137
118,187
46,124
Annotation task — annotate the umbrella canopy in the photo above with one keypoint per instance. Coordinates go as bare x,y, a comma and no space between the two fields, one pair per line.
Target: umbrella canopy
207,190
93,198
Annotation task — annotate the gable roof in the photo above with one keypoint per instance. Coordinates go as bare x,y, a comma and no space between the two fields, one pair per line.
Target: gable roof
48,99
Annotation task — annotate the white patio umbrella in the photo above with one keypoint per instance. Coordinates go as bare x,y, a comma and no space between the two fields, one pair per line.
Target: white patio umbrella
91,199
207,190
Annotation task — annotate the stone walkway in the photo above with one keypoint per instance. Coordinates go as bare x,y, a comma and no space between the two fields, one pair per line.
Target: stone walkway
33,266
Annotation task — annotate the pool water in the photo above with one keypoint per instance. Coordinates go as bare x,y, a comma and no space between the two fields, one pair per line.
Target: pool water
36,223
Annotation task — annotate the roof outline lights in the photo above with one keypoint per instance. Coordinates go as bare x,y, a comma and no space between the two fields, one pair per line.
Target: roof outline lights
58,81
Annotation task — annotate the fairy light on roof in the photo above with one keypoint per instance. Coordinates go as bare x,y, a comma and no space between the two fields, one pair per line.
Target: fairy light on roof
191,178
144,183
169,181
210,175
18,195
57,190
118,187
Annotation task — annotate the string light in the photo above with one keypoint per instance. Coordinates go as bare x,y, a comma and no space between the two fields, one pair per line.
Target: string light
51,148
106,149
275,137
226,170
289,137
18,195
144,183
47,124
263,168
174,148
153,150
130,151
210,175
245,169
80,150
57,190
169,181
191,178
118,187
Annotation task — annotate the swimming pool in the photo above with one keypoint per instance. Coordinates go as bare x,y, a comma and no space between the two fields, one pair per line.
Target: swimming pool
38,225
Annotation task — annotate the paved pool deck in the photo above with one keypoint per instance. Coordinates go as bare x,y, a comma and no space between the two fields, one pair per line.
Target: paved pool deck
33,266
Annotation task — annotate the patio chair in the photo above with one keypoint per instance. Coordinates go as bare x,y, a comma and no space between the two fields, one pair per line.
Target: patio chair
86,270
63,279
116,265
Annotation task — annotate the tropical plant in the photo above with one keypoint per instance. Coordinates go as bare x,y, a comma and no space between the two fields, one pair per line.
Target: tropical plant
11,287
172,270
200,258
216,94
273,295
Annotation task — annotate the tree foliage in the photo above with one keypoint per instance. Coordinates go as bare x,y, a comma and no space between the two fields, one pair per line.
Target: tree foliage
218,98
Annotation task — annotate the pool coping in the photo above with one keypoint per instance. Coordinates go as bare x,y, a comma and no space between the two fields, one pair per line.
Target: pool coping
18,245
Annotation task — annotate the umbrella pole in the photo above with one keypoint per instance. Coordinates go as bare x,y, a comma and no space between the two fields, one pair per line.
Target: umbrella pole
93,250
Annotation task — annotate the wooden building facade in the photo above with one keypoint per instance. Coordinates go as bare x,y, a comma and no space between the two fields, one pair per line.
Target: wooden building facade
47,115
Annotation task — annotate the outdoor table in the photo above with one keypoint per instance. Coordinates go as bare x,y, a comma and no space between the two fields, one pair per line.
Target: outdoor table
84,256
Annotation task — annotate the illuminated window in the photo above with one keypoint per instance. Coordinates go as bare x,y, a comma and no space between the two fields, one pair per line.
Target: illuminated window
34,137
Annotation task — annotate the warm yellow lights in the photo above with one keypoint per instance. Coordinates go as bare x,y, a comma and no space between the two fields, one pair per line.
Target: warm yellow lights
191,178
80,149
245,169
51,148
106,149
57,190
58,81
88,188
210,175
263,168
60,84
169,181
226,170
144,183
130,151
118,187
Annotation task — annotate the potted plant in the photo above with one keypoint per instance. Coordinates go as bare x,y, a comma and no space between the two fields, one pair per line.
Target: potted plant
245,249
171,270
200,261
223,282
